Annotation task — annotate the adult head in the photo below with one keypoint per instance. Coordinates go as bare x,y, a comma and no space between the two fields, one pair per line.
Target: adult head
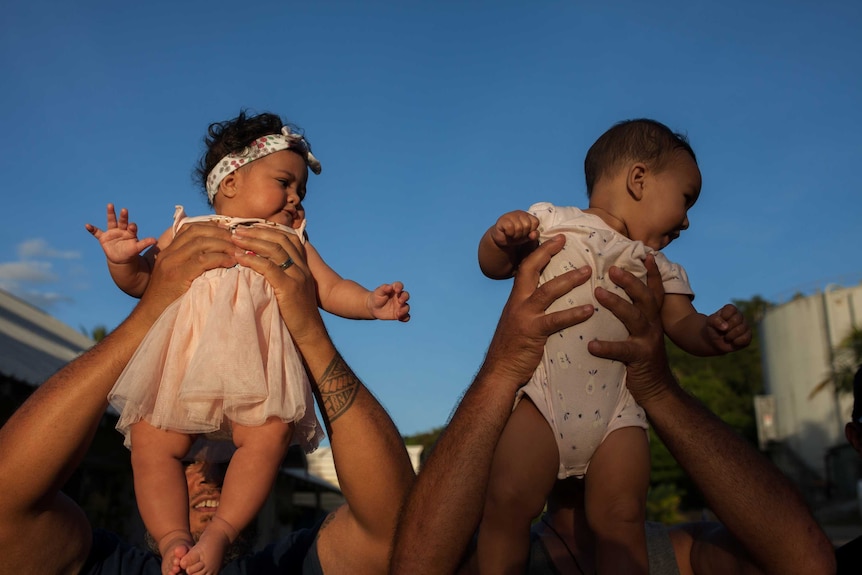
205,480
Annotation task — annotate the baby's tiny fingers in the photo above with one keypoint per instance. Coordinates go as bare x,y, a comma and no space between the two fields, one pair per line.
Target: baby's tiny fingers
716,322
729,311
739,332
112,216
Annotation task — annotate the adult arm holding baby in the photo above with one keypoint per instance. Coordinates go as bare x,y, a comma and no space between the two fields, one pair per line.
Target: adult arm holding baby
766,526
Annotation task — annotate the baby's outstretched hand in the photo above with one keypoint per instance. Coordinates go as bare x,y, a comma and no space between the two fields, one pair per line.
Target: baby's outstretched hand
120,241
389,301
727,330
515,228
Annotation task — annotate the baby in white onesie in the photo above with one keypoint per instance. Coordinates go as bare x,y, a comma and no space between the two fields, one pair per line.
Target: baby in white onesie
575,417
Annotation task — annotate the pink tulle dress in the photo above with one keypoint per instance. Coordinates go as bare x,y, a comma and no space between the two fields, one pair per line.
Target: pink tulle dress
219,354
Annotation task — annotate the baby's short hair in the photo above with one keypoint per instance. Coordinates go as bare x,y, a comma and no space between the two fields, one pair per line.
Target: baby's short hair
640,140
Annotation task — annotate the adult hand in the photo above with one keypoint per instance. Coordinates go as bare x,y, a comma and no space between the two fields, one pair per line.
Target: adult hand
195,249
294,285
524,327
643,352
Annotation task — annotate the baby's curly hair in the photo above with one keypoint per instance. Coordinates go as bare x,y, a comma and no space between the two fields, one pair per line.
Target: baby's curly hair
641,140
232,136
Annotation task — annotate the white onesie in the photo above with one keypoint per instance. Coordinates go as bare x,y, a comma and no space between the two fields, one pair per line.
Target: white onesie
583,397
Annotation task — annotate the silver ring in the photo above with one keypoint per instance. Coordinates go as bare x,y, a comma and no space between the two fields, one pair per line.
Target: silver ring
287,263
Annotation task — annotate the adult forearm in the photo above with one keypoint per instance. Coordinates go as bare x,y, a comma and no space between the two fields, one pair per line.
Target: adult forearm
44,441
445,506
374,471
750,496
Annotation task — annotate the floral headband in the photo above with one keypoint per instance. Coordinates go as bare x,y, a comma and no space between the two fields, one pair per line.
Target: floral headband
261,147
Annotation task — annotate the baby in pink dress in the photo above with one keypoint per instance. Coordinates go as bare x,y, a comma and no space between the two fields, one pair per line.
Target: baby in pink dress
220,359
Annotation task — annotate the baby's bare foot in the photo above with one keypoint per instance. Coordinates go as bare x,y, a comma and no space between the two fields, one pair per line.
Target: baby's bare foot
173,547
205,558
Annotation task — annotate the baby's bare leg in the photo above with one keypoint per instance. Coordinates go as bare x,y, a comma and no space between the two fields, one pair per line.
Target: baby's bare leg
616,488
161,491
247,483
523,472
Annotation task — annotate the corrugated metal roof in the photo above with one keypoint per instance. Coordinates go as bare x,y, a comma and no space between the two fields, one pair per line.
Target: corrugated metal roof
34,345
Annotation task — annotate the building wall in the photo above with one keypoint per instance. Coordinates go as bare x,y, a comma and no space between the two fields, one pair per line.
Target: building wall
321,464
798,339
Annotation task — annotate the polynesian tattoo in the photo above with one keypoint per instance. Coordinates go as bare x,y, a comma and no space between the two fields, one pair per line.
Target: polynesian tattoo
327,521
338,388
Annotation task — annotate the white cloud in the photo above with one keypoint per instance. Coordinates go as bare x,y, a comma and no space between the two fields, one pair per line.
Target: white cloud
43,300
33,272
33,277
38,248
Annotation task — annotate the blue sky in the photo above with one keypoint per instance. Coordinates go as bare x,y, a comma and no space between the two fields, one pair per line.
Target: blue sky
431,120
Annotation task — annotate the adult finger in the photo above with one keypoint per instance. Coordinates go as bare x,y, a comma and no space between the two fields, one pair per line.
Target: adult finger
639,316
195,249
540,298
524,325
643,351
272,244
527,276
295,292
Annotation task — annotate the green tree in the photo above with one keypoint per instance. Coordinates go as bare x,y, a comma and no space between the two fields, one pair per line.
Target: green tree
846,360
426,439
97,334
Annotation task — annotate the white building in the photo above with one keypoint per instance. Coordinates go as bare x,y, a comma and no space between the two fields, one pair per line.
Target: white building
799,339
34,345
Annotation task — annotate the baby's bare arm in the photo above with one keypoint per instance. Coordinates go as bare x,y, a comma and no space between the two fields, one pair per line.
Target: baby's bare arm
506,243
129,269
348,299
698,334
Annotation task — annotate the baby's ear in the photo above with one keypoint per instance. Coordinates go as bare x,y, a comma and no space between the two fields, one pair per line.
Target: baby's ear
228,185
635,179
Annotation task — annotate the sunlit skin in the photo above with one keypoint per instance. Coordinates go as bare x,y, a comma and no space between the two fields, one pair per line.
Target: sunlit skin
657,210
271,188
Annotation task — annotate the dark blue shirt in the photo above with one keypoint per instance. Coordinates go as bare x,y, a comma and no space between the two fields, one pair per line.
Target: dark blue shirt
296,553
